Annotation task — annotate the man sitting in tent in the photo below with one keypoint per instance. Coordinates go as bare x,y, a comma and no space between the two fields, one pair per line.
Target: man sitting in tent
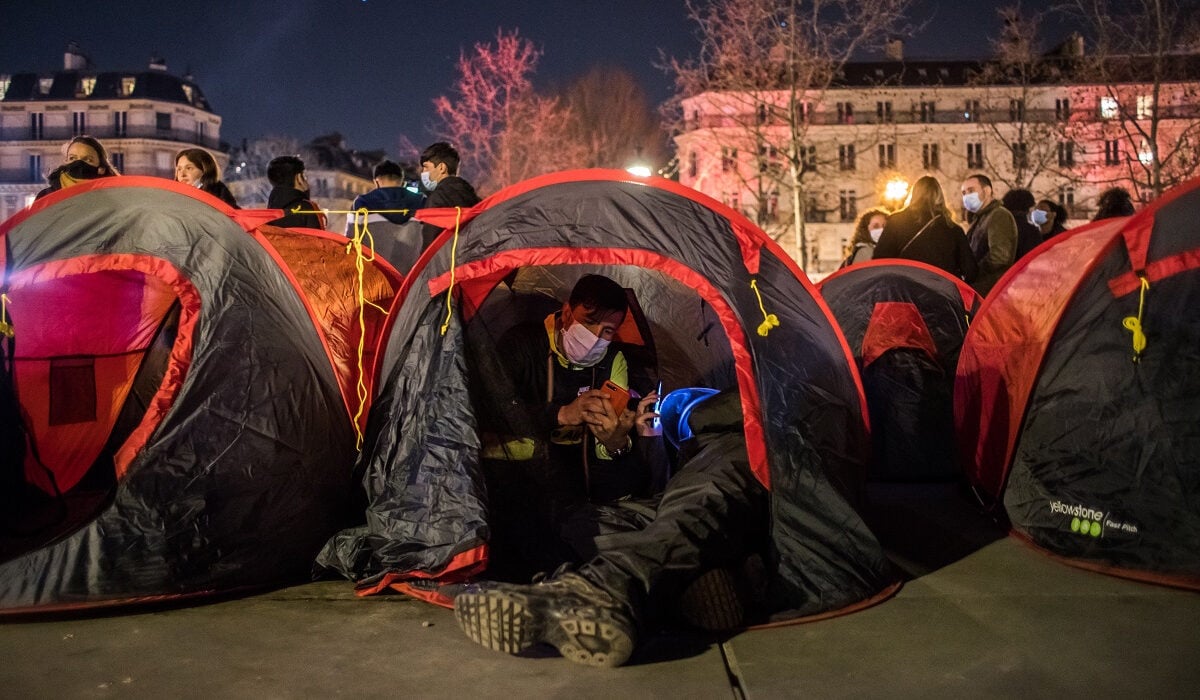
636,561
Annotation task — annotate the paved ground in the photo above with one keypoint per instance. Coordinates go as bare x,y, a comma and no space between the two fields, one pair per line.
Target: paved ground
981,617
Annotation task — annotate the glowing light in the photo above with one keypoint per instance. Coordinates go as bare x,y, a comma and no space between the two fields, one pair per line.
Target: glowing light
895,190
639,170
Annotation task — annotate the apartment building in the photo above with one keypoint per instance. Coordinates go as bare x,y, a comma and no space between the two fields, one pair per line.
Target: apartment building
142,117
883,124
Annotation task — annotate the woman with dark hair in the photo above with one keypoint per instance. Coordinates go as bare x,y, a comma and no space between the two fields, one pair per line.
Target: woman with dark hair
84,158
866,235
1050,217
197,167
925,231
1113,202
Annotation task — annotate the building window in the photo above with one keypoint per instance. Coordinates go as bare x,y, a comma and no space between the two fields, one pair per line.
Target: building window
1109,109
971,111
733,200
773,205
1066,198
87,86
812,211
845,112
1020,153
44,85
768,157
728,159
761,114
118,161
1112,152
1066,154
1145,153
846,157
928,112
127,86
1016,110
120,123
162,121
201,131
808,158
5,81
848,205
79,123
1062,109
974,155
693,164
887,155
931,157
800,111
883,112
37,126
35,167
1145,106
162,161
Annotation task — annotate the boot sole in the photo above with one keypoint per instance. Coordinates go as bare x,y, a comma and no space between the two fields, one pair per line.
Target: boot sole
502,621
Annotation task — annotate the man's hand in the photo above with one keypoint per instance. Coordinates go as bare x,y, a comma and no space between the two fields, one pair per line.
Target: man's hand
609,427
646,415
589,401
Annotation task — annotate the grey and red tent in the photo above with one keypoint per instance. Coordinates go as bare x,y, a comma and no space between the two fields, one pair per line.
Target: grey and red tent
178,394
1078,394
710,285
905,322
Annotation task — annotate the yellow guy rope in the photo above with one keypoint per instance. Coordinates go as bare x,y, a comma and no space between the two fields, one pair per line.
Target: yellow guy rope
6,328
360,258
1134,323
453,255
769,320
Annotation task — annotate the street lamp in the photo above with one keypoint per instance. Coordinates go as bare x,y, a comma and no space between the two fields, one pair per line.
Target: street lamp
895,191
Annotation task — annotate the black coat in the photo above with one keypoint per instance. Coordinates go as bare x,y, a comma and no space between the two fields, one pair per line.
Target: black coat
290,199
221,192
452,191
943,244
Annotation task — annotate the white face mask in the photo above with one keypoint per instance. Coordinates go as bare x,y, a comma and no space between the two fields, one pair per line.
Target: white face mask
972,202
427,182
875,234
581,346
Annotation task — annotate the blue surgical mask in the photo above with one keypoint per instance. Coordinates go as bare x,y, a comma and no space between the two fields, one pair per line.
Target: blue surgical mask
427,182
1037,217
971,202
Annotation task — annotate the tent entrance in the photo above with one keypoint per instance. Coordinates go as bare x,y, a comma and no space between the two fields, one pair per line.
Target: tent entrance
90,351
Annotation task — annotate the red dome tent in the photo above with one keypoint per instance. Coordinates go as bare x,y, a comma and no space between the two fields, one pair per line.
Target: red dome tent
706,279
1078,394
905,323
176,396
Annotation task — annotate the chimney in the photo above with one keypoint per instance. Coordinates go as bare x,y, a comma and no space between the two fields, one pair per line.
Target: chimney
158,63
73,58
894,49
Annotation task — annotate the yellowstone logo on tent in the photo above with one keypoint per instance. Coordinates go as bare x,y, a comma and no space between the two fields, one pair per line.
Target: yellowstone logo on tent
177,394
725,307
1081,375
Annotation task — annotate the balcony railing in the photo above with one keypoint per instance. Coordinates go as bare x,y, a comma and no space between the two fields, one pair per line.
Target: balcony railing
944,114
108,132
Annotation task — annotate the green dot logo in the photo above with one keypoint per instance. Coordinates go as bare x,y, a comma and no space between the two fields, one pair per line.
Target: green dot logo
1074,524
1095,529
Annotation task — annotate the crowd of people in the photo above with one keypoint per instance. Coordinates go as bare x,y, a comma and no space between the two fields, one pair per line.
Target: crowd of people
999,231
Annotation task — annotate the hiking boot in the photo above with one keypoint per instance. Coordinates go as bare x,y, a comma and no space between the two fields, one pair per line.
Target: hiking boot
712,602
581,620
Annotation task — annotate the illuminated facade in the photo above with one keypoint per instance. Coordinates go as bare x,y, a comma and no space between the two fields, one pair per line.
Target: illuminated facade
895,121
143,118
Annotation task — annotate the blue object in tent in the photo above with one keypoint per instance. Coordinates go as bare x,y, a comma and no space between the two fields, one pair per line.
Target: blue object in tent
676,408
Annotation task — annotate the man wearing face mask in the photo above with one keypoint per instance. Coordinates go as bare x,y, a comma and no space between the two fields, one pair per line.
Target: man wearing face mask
84,158
439,177
993,232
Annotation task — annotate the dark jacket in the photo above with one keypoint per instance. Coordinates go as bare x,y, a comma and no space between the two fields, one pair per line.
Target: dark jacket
221,192
1028,235
290,199
394,235
452,191
993,239
389,201
942,244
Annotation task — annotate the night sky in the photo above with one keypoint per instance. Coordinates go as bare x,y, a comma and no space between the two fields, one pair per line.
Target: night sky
371,69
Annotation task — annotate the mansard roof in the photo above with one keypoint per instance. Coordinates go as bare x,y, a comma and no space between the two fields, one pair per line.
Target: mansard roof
68,85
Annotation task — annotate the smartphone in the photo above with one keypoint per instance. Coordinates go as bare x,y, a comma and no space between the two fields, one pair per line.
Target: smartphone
656,424
618,397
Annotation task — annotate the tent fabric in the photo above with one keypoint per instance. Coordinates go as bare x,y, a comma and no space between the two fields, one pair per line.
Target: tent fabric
690,262
238,467
905,322
1089,446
